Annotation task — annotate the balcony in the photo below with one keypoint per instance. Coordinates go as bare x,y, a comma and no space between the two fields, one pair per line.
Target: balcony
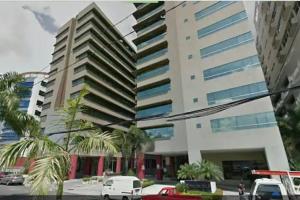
154,57
153,12
151,42
151,27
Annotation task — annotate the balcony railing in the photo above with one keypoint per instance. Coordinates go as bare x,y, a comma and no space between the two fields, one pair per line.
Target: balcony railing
151,41
152,56
156,10
160,22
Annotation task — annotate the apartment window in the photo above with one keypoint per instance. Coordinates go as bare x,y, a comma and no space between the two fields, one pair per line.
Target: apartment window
226,45
77,81
187,37
155,110
154,91
237,93
160,133
41,93
79,69
232,67
46,106
198,125
24,103
224,23
195,100
193,77
147,28
152,73
37,113
185,20
190,56
251,121
152,56
212,9
74,95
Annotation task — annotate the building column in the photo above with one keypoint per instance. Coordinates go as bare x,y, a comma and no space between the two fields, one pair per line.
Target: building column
159,169
73,167
194,156
118,167
140,166
87,166
100,166
31,165
172,167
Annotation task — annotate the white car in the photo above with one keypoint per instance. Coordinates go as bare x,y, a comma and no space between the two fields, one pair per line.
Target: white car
268,189
122,187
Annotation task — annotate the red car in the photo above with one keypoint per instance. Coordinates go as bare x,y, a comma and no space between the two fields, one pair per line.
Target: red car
170,193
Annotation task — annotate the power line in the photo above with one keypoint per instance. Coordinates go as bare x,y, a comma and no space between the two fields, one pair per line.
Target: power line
188,115
111,43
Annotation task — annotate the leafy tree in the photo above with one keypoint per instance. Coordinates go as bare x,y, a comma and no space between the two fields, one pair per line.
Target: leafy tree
290,130
52,160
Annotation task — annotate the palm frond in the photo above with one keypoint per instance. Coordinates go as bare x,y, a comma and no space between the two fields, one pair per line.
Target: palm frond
47,170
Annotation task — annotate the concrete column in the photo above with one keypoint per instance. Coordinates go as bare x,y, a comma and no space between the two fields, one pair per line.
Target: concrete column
73,167
140,166
87,166
100,166
118,167
159,170
194,156
276,158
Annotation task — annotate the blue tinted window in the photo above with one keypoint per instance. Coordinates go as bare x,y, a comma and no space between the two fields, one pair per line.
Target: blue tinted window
229,21
257,120
211,9
160,133
232,67
152,73
237,93
77,81
151,41
157,110
24,103
152,56
28,84
226,44
155,91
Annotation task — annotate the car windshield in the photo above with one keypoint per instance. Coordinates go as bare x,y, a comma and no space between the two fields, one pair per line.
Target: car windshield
269,191
136,184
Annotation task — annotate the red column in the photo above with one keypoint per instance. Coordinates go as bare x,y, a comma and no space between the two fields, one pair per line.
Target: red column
73,167
140,166
20,161
87,166
159,170
31,165
100,166
118,167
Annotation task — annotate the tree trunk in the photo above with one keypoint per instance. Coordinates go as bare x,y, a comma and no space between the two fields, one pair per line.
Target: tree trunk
60,190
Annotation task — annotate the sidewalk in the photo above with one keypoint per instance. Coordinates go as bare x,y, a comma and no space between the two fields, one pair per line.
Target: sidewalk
76,186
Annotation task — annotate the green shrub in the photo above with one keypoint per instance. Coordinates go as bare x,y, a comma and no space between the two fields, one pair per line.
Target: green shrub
181,187
206,195
147,183
130,173
85,179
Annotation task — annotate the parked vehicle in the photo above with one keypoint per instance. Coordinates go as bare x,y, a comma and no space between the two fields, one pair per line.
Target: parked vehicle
170,193
266,188
3,174
12,179
122,187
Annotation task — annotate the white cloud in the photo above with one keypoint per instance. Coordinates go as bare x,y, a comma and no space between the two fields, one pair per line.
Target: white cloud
26,43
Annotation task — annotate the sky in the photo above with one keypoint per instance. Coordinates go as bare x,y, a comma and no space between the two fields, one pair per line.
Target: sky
28,30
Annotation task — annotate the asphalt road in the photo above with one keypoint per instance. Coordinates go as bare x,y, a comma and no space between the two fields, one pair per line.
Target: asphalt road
13,190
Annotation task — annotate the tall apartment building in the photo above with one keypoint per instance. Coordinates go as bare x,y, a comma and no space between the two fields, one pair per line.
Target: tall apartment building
90,51
278,39
30,103
197,55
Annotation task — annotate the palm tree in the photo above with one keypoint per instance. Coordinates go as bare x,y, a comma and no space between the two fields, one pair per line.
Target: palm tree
11,90
188,171
209,171
52,160
290,130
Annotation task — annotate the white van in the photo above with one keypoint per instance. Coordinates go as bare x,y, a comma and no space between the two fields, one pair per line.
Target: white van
122,187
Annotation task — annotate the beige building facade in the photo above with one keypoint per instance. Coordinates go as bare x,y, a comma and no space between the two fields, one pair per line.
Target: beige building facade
194,56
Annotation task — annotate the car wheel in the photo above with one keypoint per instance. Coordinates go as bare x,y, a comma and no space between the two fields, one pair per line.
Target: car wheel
125,198
106,197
